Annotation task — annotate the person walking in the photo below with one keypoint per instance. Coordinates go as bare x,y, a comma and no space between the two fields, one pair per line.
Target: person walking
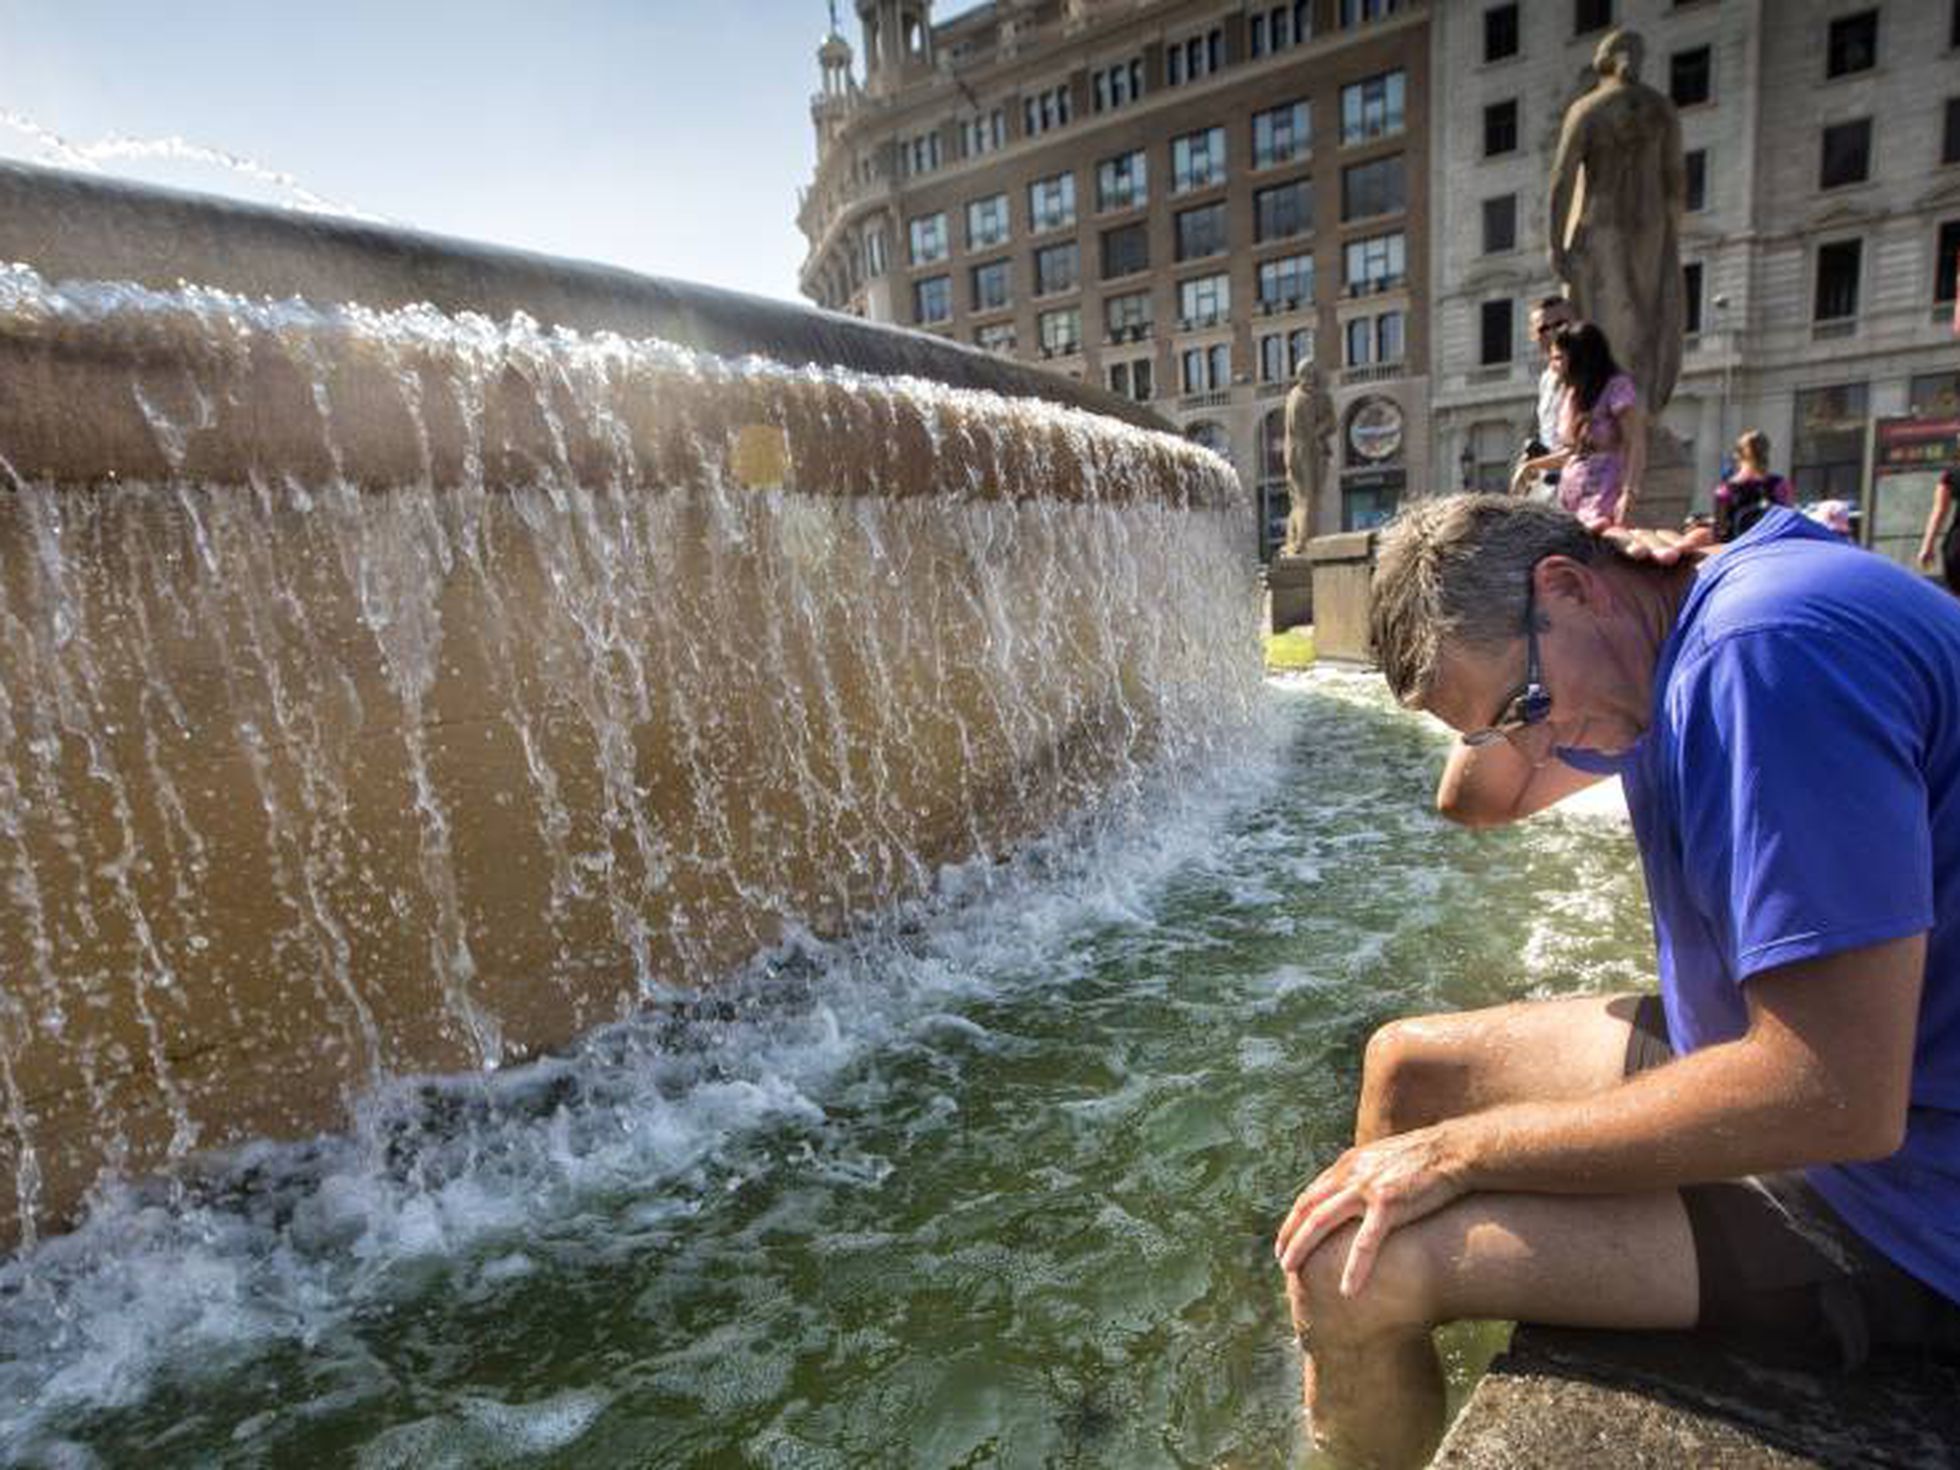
1749,489
1602,449
1949,545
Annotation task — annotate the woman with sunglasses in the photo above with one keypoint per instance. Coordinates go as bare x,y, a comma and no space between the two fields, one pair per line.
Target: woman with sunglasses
1603,430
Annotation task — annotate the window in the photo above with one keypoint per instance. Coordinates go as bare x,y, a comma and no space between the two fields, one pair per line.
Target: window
1111,87
1131,379
1051,203
1286,283
1691,76
1946,262
928,238
1061,332
1853,44
1501,128
918,154
1057,268
1207,369
875,257
1200,231
1281,353
1950,143
985,133
1372,108
1044,110
995,337
1591,15
1837,280
1281,134
1493,450
1376,263
1827,447
1360,12
1691,289
1125,251
1847,154
1373,340
1695,162
1283,210
1194,57
1934,395
1500,32
1376,187
1279,27
1122,181
1497,334
932,299
1127,316
1204,301
990,286
1500,224
986,222
1197,160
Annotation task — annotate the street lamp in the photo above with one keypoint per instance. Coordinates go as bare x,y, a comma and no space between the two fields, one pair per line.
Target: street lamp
1466,462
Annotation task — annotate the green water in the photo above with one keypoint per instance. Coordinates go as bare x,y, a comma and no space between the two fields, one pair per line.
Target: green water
995,1189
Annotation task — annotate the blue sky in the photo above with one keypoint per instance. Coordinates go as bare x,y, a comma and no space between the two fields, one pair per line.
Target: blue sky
668,136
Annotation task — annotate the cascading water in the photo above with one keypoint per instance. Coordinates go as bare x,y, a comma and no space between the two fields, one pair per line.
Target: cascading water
525,676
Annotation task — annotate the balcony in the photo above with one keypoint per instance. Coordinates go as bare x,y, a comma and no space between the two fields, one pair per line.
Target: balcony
1834,331
1281,304
1218,398
1374,372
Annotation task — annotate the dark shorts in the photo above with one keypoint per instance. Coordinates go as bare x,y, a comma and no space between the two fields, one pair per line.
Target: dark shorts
1778,1266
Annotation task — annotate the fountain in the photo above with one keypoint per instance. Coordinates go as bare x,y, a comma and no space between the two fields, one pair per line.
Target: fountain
413,655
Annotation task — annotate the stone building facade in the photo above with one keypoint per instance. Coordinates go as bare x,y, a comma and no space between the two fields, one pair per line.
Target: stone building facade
1823,141
1176,199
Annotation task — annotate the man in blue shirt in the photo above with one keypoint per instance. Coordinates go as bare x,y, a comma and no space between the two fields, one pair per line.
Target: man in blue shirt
1781,1154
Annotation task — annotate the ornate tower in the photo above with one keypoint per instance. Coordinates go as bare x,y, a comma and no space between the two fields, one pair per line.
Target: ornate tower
830,107
897,42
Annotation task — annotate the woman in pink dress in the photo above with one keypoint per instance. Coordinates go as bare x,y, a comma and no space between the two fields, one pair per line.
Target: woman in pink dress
1602,430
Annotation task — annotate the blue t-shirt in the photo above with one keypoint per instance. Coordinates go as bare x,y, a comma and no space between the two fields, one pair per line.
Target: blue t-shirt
1798,794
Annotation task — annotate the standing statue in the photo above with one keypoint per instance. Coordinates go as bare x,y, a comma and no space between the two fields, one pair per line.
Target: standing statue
1309,440
1618,187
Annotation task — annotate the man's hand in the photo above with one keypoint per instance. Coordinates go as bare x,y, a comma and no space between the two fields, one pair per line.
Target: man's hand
1385,1184
1662,548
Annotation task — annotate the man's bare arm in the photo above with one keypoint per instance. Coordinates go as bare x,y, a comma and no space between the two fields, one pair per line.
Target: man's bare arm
1823,1075
1489,785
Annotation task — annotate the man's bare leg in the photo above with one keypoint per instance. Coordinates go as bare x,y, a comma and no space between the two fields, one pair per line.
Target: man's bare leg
1428,1068
1374,1390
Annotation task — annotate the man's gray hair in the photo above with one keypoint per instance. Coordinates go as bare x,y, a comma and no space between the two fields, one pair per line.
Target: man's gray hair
1453,572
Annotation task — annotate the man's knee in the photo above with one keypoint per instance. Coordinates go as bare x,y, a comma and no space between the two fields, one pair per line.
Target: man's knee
1397,1297
1414,1073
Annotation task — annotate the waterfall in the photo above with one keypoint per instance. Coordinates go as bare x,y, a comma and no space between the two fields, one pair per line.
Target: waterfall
443,687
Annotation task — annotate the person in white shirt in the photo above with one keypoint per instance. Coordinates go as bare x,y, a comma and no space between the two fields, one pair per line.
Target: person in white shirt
1547,317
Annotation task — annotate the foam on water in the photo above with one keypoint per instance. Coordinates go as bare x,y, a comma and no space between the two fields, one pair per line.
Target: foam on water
456,1179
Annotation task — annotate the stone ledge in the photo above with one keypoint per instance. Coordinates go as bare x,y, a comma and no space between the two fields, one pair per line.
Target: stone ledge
1659,1400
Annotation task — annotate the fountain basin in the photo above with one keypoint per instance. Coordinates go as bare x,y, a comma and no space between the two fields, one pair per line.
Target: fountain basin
391,682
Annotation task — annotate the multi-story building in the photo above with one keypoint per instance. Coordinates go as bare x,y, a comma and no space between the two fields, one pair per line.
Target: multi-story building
1819,245
1177,199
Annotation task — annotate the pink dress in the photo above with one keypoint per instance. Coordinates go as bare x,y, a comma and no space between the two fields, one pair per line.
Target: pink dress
1590,484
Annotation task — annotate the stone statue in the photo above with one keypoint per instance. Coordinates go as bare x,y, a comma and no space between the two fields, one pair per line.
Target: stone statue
1618,187
1309,439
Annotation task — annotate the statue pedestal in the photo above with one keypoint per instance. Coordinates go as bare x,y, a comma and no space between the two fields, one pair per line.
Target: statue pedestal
1671,490
1343,568
1289,592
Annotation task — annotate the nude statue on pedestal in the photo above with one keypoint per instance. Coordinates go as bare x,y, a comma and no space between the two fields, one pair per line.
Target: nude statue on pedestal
1618,187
